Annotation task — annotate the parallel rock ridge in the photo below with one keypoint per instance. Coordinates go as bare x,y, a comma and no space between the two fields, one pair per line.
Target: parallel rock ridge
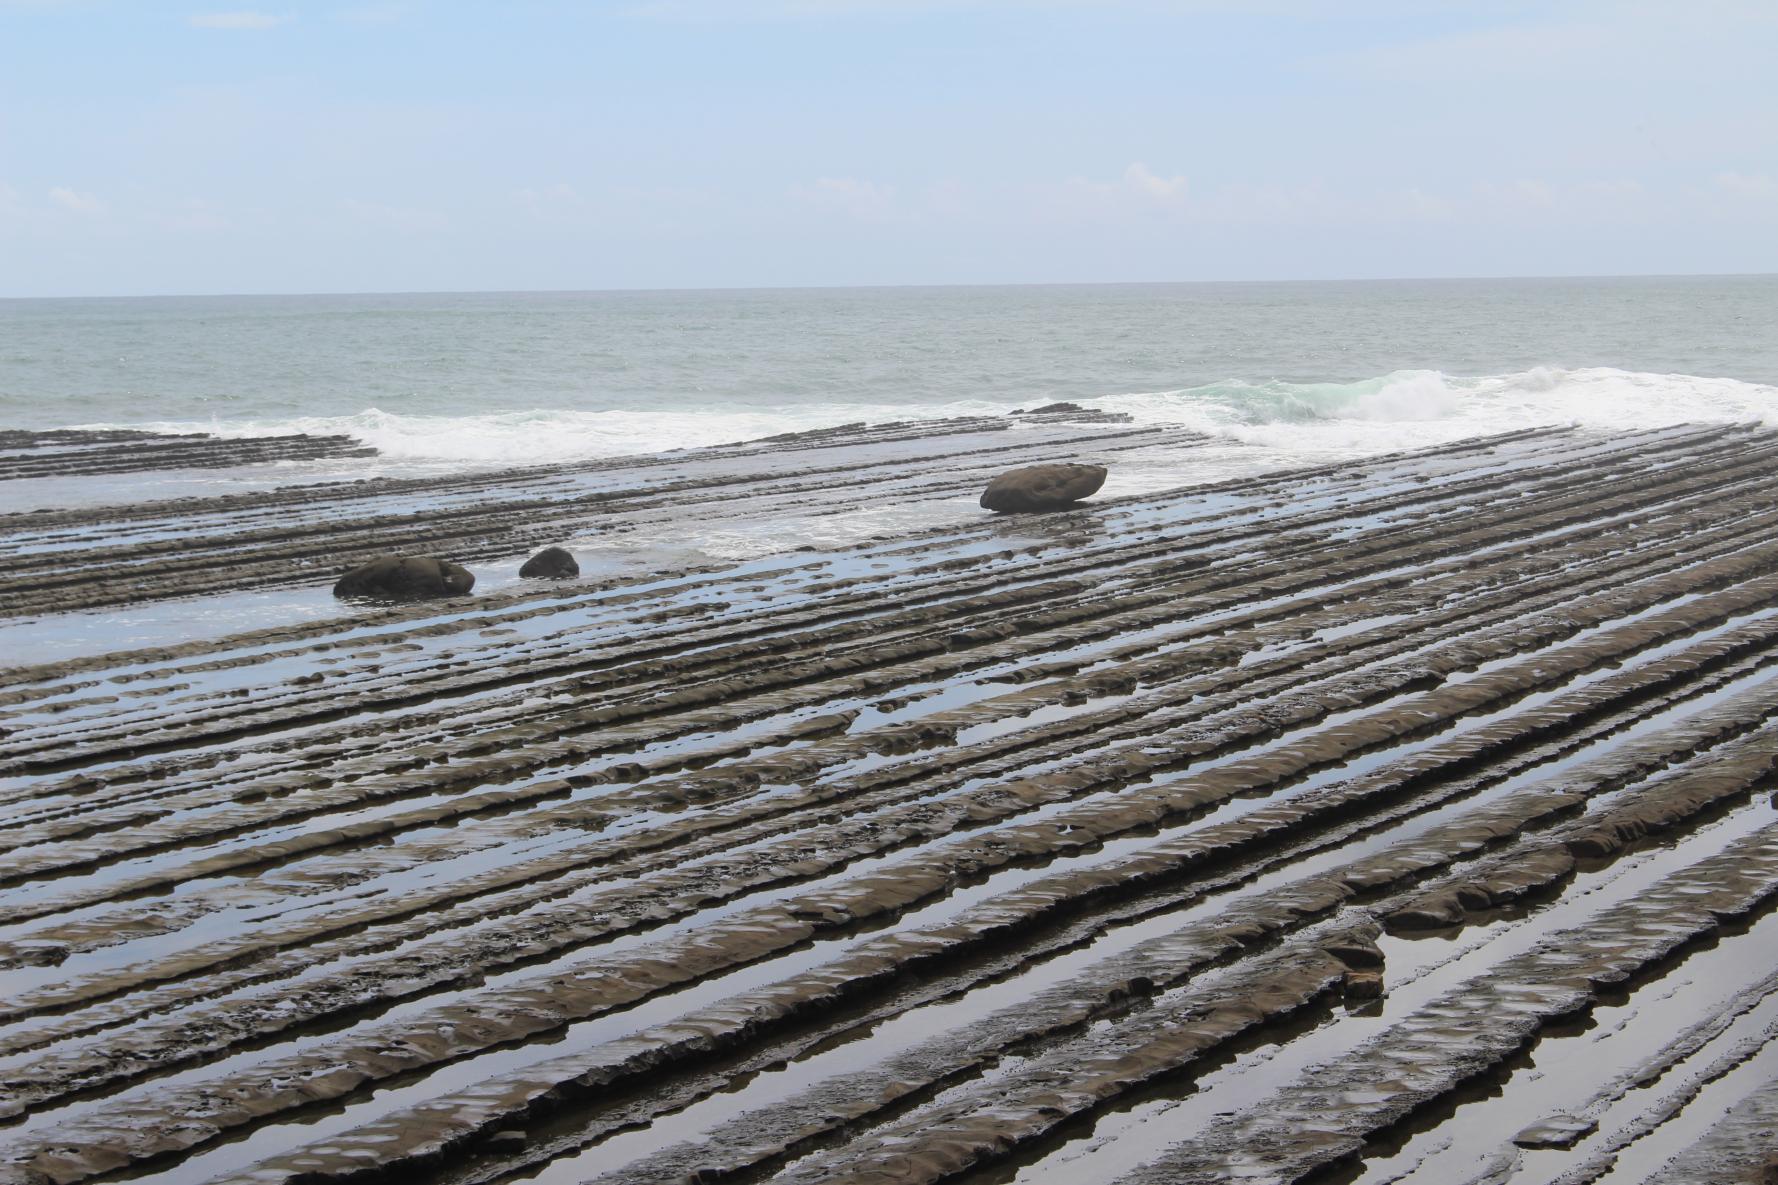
75,451
56,558
1409,819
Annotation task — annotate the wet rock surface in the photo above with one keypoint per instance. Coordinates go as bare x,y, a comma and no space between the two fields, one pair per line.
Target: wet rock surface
61,558
75,451
1410,816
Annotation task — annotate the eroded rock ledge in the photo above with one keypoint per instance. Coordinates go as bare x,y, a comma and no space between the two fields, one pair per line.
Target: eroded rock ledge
1239,826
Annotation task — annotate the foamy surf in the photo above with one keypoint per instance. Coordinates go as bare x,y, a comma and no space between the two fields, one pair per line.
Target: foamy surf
1419,408
1405,408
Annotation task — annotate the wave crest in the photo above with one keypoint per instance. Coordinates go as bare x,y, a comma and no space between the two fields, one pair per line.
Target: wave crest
1405,408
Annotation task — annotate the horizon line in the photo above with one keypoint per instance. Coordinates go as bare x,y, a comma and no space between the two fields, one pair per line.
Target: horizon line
664,289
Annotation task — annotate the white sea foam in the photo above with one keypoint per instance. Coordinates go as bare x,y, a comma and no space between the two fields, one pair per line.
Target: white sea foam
1412,408
1398,410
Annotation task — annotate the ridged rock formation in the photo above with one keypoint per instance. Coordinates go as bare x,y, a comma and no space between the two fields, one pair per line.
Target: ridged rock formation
1265,824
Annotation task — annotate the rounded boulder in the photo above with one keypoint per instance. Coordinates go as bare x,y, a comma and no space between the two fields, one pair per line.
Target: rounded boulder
552,563
1042,487
405,578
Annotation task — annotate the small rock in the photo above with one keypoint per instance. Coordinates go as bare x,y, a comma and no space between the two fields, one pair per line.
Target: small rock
1051,409
1364,985
405,578
1435,911
1358,953
1558,1131
552,563
1042,487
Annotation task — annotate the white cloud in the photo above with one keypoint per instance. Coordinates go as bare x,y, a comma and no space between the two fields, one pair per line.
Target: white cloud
1734,196
864,200
1414,205
76,201
591,208
373,14
1757,186
401,219
1523,194
1569,44
781,10
248,19
549,200
949,198
1140,194
1534,201
1165,190
193,215
1138,187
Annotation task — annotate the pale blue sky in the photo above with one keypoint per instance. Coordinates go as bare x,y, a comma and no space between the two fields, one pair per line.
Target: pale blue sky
148,147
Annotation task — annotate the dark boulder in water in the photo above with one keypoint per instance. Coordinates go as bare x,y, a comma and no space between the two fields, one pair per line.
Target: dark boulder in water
552,563
1042,487
1051,409
405,578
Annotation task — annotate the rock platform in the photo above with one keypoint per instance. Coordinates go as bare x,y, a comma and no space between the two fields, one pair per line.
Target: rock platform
1355,820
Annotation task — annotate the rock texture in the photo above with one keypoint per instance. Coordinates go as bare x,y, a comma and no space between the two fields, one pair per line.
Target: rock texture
66,451
947,855
1042,487
405,578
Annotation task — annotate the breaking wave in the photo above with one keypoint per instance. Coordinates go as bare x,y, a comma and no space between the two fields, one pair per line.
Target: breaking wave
1403,409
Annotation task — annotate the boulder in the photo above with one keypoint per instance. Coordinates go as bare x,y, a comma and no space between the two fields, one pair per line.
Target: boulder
1364,985
405,578
1051,409
1042,487
552,563
1557,1131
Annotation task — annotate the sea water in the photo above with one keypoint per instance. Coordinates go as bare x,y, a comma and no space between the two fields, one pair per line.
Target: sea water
1299,371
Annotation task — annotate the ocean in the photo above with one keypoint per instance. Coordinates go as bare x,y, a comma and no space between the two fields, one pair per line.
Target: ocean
1298,371
819,776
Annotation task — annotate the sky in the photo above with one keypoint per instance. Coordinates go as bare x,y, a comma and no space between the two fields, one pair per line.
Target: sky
150,147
